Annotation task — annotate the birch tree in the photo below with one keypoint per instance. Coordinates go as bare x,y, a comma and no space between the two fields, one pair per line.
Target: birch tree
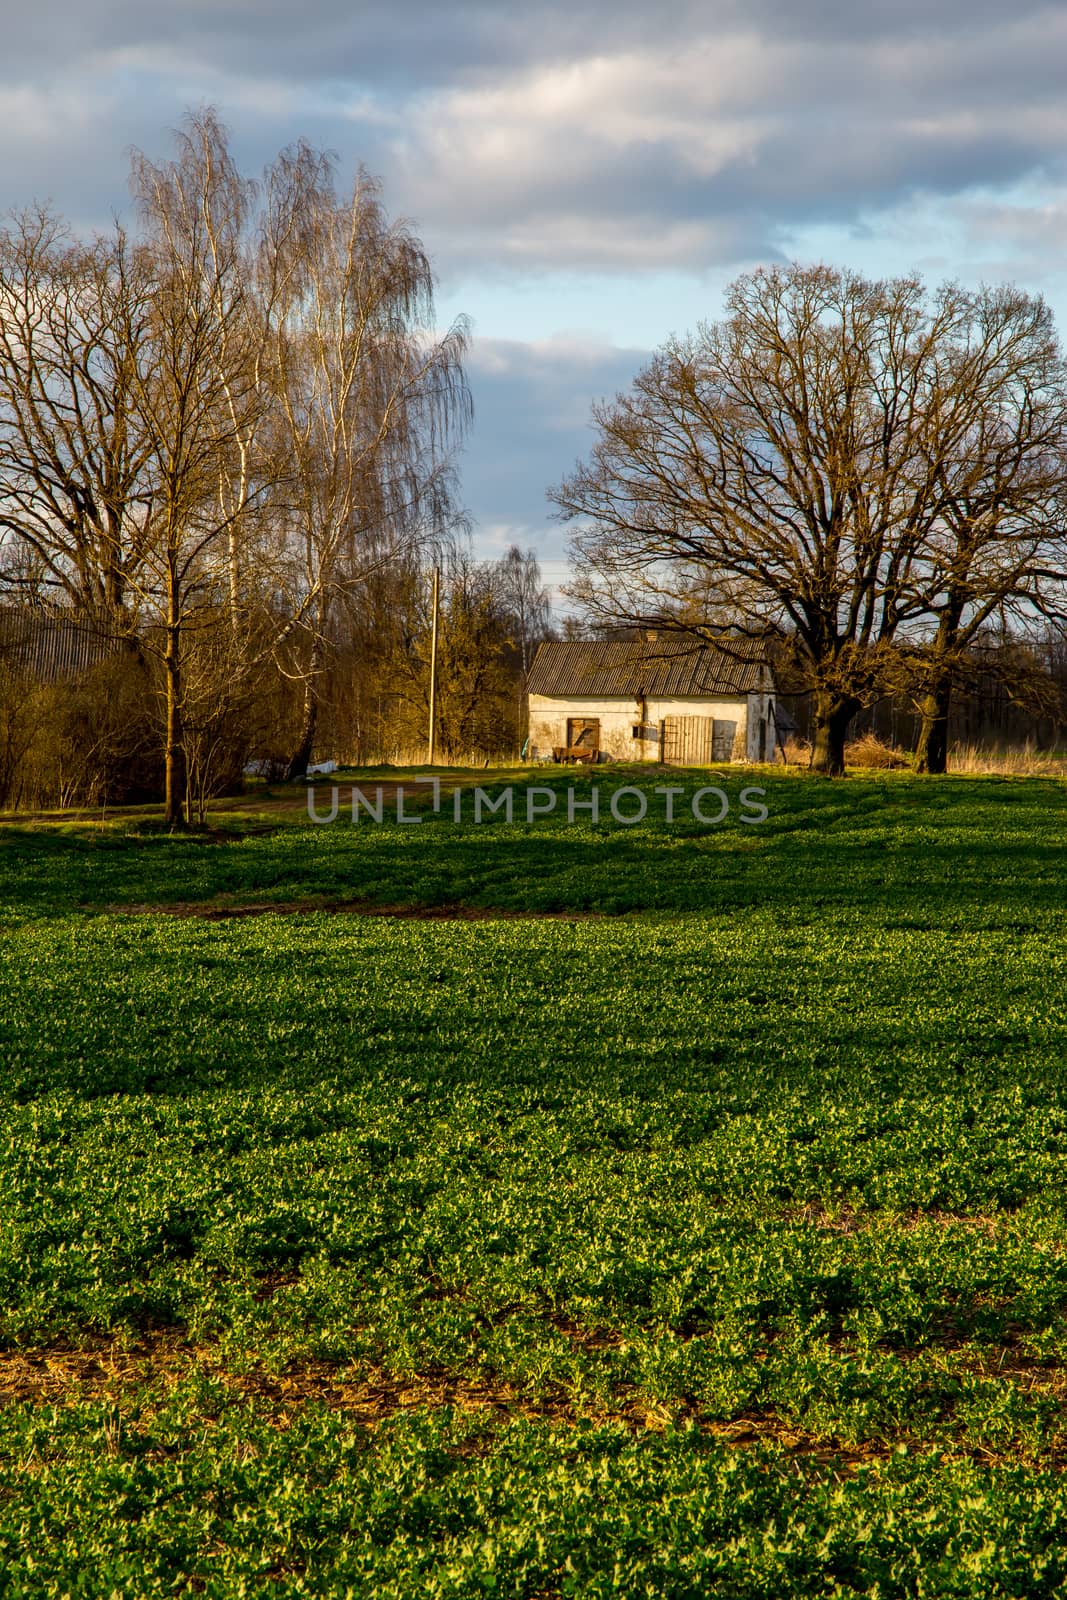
200,399
527,602
239,421
370,401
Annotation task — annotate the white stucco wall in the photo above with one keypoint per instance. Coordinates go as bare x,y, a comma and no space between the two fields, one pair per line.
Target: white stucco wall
549,716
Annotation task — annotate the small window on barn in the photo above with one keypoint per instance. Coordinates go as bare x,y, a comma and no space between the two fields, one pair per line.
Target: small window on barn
645,730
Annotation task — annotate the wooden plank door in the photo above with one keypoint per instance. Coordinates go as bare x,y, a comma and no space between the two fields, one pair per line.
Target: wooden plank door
688,741
583,732
722,742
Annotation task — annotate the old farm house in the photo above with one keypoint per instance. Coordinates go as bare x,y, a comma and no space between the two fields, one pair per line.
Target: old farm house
671,699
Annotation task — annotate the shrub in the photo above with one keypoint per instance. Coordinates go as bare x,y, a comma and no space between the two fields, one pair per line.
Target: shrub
870,751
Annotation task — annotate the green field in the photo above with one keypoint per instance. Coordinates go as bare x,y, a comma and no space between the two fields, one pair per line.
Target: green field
643,1211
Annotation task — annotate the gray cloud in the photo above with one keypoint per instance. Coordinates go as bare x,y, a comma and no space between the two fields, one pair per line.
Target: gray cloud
709,151
551,138
425,41
605,135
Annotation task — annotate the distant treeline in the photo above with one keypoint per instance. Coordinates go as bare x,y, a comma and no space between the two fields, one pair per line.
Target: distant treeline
1011,693
83,697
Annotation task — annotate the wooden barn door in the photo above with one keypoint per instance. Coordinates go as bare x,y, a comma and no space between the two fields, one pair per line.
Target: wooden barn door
722,742
697,741
688,741
583,733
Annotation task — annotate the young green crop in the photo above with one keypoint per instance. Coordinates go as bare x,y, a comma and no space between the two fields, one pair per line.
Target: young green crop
780,1153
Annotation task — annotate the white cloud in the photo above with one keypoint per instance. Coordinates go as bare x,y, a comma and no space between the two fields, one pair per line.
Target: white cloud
556,149
704,151
36,117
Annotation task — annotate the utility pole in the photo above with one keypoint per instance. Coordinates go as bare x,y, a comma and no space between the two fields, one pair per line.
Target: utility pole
433,668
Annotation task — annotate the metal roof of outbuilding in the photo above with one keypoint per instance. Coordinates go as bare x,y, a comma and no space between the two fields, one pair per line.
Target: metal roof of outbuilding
626,668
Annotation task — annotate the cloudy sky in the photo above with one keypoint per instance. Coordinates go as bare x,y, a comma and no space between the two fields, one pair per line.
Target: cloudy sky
587,176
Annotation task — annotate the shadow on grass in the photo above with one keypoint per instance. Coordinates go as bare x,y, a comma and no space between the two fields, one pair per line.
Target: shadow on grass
967,852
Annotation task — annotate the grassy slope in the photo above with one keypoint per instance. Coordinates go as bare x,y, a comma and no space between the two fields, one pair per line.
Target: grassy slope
773,1162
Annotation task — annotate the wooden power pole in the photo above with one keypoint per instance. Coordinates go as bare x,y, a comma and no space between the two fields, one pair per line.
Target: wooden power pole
433,669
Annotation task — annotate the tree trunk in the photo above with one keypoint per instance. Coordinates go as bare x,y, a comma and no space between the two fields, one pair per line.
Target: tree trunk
931,752
833,713
305,749
175,768
301,759
176,778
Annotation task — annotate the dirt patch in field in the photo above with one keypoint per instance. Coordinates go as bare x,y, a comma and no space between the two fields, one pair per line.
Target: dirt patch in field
845,1219
368,1395
145,1373
70,1375
584,1337
211,911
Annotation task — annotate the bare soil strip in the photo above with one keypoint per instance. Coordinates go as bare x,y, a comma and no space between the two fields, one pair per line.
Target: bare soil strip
370,1396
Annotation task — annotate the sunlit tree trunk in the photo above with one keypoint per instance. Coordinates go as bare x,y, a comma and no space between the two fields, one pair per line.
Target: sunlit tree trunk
175,769
301,757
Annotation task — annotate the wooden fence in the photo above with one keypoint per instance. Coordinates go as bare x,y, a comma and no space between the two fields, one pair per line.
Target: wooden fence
48,646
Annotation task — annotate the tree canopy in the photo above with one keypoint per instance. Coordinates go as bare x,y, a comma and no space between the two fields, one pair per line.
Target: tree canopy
840,462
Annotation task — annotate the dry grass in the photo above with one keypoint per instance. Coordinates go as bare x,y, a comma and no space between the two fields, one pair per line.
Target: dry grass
1026,762
870,751
873,753
797,752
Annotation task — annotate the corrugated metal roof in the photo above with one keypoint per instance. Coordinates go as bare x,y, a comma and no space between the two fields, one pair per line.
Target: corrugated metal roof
653,668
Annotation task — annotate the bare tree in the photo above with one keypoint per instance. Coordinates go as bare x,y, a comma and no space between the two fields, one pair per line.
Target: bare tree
786,471
244,421
527,602
476,677
18,716
200,398
370,401
221,700
997,551
74,494
528,608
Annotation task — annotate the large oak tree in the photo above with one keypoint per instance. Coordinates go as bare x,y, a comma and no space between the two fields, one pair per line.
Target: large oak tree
798,469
